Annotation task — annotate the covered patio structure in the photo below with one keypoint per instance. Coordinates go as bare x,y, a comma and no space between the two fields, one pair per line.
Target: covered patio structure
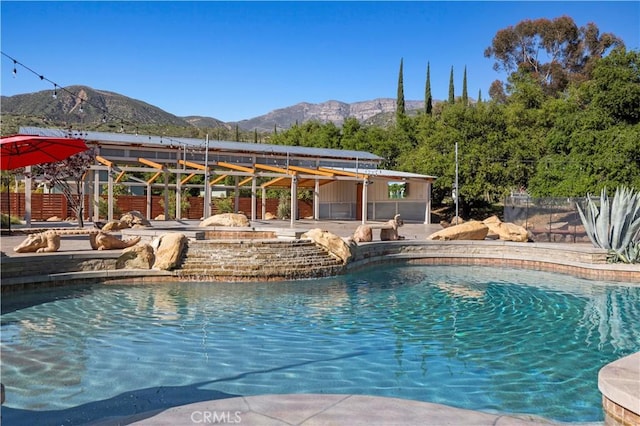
345,184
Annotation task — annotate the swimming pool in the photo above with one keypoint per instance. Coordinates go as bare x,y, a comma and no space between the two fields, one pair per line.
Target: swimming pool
497,340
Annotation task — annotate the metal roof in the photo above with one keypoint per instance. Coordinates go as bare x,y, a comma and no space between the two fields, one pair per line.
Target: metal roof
214,145
385,173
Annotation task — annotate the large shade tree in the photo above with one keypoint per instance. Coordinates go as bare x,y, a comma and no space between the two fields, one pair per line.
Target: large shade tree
555,51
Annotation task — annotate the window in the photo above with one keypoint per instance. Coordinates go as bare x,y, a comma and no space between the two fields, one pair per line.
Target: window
397,190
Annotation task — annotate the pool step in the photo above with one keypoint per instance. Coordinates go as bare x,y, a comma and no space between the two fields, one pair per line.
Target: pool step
251,260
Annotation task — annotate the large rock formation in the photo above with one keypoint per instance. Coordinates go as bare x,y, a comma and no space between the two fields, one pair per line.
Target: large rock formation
332,243
42,242
472,230
226,219
115,225
103,241
168,250
140,256
135,219
363,234
506,231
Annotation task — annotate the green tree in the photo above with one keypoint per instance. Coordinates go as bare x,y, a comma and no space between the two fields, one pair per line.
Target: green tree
570,52
452,93
400,107
465,95
428,98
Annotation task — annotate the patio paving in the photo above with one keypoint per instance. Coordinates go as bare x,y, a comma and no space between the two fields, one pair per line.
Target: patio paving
325,409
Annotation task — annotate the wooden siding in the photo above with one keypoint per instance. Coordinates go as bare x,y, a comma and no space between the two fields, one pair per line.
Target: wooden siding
45,206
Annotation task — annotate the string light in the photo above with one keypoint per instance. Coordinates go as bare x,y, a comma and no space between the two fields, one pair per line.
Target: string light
76,96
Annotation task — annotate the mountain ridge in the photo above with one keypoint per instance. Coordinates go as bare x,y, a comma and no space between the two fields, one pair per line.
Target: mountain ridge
82,104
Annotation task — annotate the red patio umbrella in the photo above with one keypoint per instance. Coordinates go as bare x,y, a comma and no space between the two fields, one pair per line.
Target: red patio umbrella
27,150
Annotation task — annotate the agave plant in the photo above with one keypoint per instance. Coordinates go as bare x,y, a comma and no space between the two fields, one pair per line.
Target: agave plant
615,225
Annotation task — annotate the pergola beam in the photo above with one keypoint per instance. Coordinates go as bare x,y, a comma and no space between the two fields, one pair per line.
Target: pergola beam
245,181
218,179
187,179
273,169
150,163
154,177
235,167
192,165
274,181
311,171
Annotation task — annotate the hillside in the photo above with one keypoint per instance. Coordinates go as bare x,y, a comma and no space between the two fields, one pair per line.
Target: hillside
330,111
94,107
87,106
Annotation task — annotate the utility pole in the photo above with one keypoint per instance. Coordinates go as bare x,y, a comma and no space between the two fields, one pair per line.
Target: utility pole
456,184
207,187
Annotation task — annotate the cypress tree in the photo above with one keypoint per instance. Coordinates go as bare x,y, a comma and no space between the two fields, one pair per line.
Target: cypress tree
479,96
452,96
428,100
465,95
237,133
255,135
275,129
400,110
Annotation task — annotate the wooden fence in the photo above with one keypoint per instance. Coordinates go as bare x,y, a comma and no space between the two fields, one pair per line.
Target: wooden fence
45,206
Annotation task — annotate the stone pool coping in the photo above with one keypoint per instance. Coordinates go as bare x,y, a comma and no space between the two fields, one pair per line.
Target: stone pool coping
324,409
619,383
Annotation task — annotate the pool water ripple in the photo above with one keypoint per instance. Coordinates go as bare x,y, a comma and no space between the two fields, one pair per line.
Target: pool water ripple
485,339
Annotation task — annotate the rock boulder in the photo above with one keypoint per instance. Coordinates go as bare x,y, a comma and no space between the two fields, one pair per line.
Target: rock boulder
332,243
471,230
168,249
506,231
363,234
226,219
140,256
135,219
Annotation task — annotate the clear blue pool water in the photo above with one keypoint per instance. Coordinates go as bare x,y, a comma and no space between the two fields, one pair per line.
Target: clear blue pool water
497,340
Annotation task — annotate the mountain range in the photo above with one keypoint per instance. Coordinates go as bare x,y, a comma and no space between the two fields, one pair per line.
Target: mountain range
83,105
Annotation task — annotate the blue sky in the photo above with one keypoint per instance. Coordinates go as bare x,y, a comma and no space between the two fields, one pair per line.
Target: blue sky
238,60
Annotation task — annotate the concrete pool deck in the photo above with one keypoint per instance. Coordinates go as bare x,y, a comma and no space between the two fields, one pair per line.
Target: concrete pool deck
325,409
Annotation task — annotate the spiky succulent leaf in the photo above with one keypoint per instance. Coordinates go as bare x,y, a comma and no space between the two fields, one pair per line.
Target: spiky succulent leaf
615,224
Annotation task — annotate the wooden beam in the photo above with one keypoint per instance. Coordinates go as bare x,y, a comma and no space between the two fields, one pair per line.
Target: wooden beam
274,181
104,161
187,179
235,167
216,180
120,176
192,165
151,163
311,171
154,177
344,173
245,181
274,169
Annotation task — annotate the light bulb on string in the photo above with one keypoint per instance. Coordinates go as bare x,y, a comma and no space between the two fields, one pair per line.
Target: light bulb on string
15,70
55,91
81,110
